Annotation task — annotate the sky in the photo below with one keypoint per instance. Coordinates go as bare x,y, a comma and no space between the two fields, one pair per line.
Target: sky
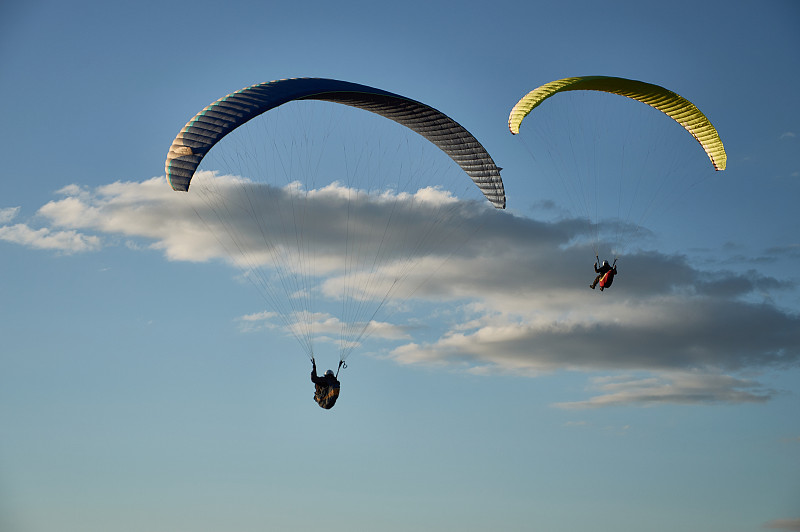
145,384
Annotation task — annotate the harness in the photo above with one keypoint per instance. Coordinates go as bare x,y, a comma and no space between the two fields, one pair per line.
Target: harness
326,396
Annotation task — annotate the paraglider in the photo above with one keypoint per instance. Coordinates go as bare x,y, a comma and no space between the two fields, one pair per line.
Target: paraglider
605,275
326,388
614,170
316,217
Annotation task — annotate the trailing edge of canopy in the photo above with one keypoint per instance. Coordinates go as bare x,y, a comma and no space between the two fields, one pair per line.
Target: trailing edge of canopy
676,107
203,131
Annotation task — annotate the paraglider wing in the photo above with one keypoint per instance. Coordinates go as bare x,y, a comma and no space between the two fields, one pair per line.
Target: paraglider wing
203,131
676,107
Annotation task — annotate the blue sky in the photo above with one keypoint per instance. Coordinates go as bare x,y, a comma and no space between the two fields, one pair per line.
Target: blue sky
135,395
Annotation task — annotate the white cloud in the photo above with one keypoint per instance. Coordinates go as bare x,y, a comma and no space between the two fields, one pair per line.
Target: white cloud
69,241
264,315
671,387
515,289
8,214
257,321
322,326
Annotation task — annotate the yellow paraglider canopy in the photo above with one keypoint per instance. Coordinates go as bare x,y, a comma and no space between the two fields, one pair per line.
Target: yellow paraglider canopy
676,107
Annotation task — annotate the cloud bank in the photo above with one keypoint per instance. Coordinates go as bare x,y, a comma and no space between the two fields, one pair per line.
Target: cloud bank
515,289
783,524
